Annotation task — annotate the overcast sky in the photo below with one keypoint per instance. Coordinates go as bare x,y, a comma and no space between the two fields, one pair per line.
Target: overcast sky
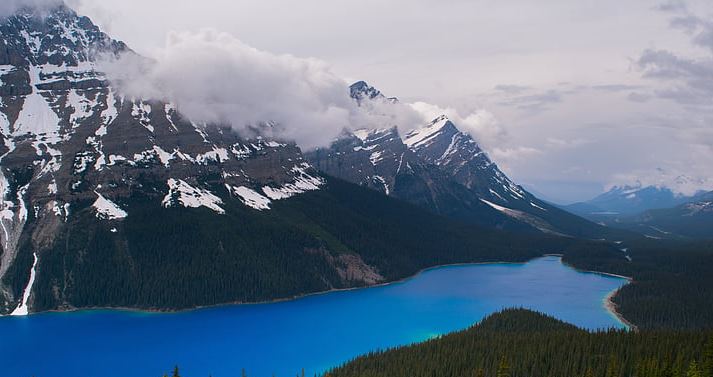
579,94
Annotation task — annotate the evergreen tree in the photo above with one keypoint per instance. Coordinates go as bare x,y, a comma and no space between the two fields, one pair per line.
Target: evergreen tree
693,370
503,368
175,372
707,366
613,367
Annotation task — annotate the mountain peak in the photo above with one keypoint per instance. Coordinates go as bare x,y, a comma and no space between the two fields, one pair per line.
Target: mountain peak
53,35
441,126
360,90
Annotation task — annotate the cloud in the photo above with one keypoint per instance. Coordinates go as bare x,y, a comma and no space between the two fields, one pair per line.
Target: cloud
508,155
663,178
8,7
214,78
532,102
688,81
616,87
481,124
511,89
566,144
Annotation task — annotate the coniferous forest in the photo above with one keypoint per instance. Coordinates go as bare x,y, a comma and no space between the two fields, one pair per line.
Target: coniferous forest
521,343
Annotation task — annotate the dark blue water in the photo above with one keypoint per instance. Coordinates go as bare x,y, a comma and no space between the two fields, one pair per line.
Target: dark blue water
314,333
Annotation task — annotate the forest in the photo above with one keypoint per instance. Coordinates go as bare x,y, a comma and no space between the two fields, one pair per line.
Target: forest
672,285
521,343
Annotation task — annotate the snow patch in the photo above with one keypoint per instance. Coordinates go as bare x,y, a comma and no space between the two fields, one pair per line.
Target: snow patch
108,210
142,112
250,197
191,197
303,182
417,138
22,309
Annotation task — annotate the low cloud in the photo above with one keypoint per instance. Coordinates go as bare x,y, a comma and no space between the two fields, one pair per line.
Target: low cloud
663,178
9,7
481,124
215,78
212,77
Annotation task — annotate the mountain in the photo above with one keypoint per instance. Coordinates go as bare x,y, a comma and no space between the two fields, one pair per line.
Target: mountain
74,149
444,170
110,201
627,200
693,219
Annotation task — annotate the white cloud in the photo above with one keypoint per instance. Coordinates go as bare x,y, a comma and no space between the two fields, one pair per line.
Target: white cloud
662,178
481,124
8,7
214,78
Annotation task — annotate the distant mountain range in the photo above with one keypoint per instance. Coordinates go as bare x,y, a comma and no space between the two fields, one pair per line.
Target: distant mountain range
653,211
109,201
693,219
628,200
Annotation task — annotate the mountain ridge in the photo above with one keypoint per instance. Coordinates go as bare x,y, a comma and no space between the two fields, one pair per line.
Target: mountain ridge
444,170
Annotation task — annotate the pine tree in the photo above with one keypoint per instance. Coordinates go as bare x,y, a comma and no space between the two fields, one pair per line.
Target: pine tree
613,367
503,368
707,365
175,372
693,370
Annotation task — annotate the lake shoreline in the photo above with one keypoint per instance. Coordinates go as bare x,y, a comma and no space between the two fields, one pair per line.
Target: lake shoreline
609,299
149,311
608,303
613,308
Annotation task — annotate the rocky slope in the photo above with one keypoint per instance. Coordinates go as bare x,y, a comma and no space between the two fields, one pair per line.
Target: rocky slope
443,169
73,147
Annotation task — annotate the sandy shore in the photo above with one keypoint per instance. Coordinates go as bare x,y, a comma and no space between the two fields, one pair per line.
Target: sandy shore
612,307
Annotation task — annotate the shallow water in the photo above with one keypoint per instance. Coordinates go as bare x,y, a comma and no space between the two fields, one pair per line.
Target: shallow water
314,333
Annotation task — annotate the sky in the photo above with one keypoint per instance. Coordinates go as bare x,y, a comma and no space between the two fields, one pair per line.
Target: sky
568,97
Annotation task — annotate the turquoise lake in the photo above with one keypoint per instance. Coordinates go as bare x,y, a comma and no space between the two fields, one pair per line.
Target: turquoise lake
314,333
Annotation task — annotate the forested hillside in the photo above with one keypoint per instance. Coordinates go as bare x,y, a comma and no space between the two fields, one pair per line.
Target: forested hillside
672,284
521,343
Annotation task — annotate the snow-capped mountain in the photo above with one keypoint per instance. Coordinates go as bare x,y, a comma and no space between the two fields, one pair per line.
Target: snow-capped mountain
628,200
361,91
72,146
443,169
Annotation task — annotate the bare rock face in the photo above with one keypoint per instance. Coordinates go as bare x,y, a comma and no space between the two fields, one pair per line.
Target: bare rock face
71,143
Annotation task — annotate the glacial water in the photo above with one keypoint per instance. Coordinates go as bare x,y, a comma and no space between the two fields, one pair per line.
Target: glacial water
312,333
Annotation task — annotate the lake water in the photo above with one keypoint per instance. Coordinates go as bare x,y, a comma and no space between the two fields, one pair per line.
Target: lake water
314,333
